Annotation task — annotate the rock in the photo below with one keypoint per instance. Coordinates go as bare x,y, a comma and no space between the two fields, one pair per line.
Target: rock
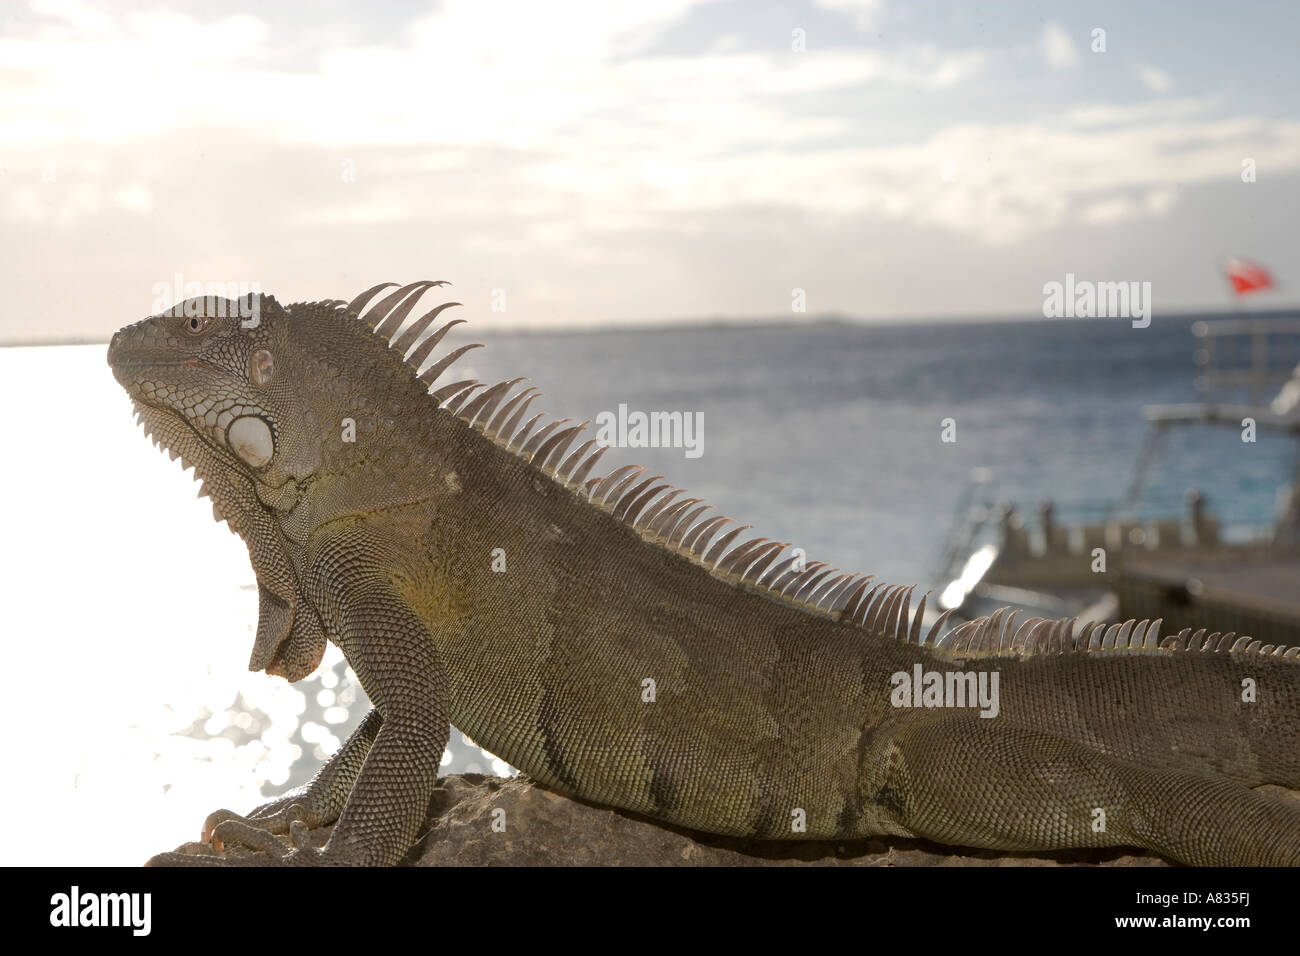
475,820
544,828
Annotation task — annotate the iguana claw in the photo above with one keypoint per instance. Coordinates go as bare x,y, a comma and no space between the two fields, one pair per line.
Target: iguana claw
267,849
275,817
303,856
256,841
244,834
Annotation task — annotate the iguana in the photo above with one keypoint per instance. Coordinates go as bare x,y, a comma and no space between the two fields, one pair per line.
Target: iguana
635,652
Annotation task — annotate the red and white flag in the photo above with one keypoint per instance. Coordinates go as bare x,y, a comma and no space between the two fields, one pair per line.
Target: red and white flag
1247,277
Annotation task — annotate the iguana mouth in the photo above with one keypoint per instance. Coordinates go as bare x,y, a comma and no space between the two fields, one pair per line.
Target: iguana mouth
139,364
127,355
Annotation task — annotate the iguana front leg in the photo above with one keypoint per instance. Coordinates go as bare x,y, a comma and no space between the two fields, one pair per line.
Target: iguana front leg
396,660
316,804
386,797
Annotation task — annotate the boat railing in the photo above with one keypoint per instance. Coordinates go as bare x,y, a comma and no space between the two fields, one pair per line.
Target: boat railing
1068,542
1255,356
1248,367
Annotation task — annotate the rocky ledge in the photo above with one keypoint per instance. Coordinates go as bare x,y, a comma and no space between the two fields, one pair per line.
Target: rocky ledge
476,820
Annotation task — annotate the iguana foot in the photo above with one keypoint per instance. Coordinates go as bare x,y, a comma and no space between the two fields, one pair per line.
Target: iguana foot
277,816
306,856
244,834
252,847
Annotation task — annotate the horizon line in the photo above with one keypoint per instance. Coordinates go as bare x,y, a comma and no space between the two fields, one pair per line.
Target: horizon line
730,323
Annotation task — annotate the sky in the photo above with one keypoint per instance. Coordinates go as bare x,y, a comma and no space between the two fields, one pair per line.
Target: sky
595,163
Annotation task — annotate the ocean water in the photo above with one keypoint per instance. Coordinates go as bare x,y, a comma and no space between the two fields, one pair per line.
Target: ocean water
829,436
131,612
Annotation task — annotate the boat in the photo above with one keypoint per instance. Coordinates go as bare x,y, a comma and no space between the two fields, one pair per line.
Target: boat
1188,568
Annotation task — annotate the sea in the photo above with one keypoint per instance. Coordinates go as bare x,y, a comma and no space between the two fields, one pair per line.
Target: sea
131,612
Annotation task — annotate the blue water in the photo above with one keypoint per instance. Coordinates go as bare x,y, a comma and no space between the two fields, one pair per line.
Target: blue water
828,435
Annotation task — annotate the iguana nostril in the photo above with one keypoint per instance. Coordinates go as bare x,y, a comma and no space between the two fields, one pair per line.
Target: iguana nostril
114,346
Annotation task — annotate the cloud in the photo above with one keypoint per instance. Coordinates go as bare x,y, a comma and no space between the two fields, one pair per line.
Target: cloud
580,139
558,67
1058,49
549,103
867,14
135,198
1155,202
571,117
1154,79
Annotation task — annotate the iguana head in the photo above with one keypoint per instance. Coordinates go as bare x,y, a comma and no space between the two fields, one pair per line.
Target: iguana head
210,365
210,381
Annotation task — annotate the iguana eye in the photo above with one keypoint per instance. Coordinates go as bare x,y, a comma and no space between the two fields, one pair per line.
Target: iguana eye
261,367
195,324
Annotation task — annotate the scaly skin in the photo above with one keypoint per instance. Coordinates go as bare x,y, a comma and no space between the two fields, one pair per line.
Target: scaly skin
770,717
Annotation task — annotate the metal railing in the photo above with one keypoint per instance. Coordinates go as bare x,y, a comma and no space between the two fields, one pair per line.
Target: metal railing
1258,355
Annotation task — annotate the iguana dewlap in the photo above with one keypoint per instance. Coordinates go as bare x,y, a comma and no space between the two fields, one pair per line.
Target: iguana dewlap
615,641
